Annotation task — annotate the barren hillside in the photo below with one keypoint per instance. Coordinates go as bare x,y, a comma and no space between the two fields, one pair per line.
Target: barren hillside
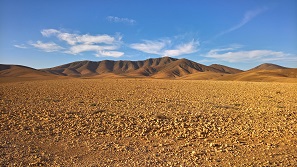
165,67
158,68
268,66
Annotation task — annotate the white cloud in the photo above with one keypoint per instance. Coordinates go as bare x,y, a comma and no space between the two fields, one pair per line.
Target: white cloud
73,39
109,53
82,48
49,32
165,47
182,49
101,51
241,56
22,46
47,47
153,47
103,44
248,16
87,48
120,20
89,39
229,48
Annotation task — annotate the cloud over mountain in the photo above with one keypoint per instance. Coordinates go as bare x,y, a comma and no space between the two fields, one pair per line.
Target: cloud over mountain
233,54
166,47
47,47
74,43
149,46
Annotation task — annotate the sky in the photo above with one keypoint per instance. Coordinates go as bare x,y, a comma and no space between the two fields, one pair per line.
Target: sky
237,33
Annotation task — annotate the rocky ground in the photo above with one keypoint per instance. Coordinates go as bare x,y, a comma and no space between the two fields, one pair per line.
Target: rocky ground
133,122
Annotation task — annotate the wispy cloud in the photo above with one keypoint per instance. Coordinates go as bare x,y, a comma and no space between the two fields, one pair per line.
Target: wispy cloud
49,32
225,49
182,49
86,47
22,46
101,45
109,54
248,16
166,47
73,39
152,47
232,55
115,19
47,47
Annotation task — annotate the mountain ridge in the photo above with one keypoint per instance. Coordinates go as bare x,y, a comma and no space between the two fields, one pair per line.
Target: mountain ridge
149,67
268,66
226,69
161,68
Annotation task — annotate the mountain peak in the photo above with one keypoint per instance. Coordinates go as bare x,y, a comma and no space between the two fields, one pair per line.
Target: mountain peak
150,67
163,67
268,66
226,69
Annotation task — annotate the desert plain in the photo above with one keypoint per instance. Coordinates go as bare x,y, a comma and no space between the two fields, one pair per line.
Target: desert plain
147,122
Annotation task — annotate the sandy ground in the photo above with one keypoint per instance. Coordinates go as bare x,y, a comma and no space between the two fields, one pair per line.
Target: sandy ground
133,122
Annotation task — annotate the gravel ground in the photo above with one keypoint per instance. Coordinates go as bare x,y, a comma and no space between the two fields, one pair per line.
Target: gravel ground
134,122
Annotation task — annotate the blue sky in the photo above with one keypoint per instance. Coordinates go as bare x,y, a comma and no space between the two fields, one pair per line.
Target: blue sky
236,33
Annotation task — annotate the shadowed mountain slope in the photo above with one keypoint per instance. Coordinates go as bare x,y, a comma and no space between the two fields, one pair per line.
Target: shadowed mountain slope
11,73
268,66
276,75
165,68
20,71
226,69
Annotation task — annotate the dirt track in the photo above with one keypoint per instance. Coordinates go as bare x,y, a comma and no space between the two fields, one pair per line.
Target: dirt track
131,122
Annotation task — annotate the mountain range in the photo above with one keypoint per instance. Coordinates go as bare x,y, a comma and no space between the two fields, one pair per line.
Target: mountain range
163,68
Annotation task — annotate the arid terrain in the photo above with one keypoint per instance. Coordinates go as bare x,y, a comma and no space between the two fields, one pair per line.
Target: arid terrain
153,68
147,122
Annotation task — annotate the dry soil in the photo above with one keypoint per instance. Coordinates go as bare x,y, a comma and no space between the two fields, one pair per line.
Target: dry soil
141,122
